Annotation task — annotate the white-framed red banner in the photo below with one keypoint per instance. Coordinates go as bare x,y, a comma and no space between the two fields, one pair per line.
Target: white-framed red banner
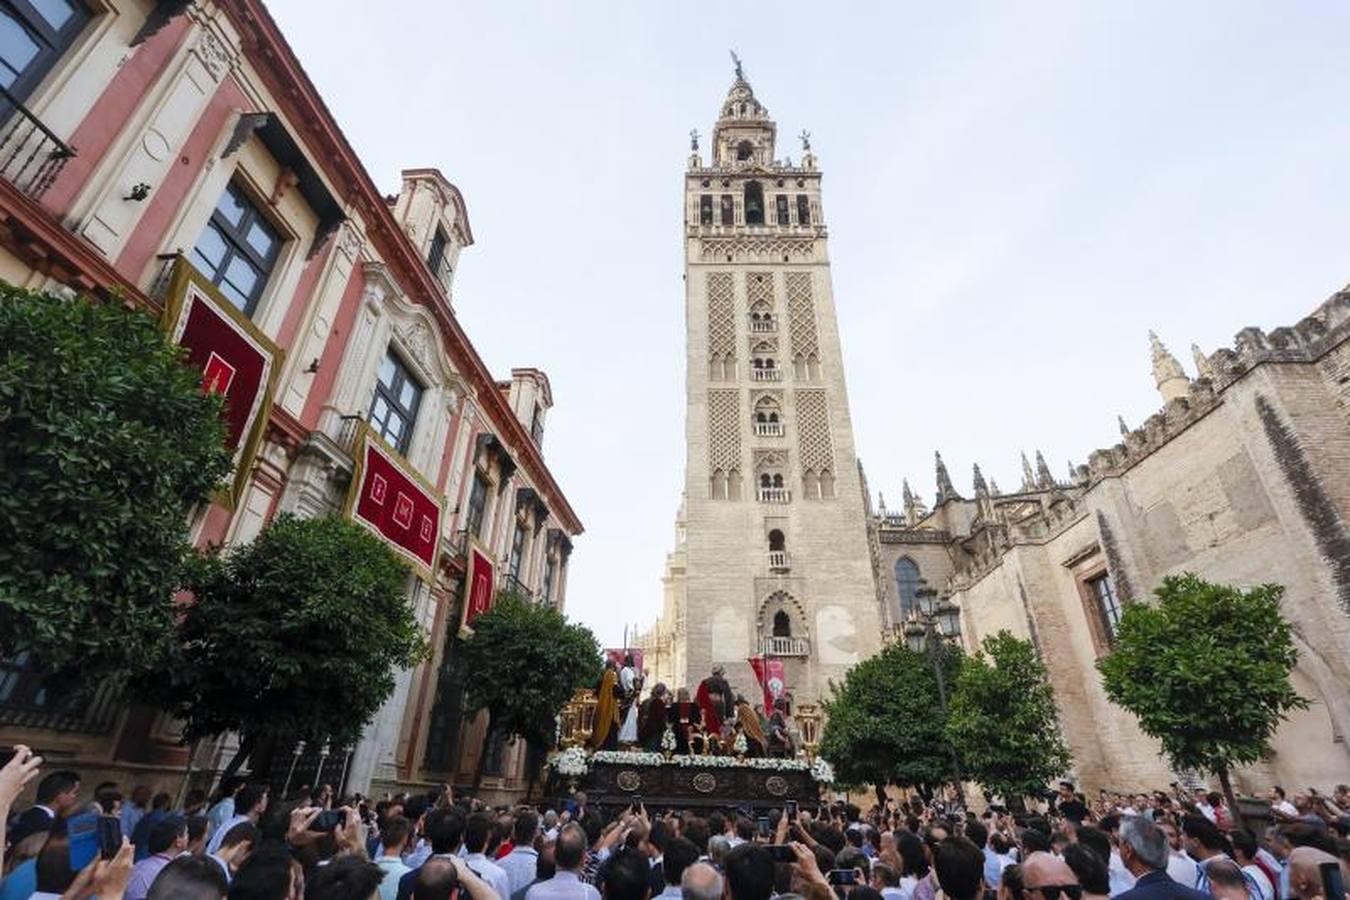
236,359
390,498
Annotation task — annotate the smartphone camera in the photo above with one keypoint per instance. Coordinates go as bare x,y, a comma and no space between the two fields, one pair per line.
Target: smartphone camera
790,810
763,823
843,877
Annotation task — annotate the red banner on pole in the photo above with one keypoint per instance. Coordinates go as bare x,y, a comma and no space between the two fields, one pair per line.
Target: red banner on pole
769,673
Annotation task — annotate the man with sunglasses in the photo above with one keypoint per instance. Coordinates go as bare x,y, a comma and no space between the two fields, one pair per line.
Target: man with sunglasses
1047,877
1144,850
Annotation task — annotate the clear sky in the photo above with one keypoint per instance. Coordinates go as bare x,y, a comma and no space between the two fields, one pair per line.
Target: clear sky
1015,193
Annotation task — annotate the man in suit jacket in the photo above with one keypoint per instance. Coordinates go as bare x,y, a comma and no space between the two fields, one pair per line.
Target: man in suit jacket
57,797
1144,851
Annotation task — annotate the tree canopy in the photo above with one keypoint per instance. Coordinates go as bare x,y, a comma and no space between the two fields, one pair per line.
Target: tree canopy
526,660
297,634
1206,671
106,441
885,723
1003,721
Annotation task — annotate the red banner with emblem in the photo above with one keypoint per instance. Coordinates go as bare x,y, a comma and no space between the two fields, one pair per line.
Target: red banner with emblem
236,359
769,673
480,589
391,499
617,655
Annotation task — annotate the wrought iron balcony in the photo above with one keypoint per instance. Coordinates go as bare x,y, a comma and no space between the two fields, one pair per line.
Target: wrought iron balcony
763,326
779,561
784,646
31,156
766,374
774,495
512,584
768,429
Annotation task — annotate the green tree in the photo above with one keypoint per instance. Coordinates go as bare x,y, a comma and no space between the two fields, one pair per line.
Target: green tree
525,660
1206,671
106,441
884,724
1002,719
295,635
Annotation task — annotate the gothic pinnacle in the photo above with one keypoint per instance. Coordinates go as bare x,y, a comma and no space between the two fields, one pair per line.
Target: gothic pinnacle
993,488
1120,423
1044,480
946,491
1028,478
1203,367
1168,374
980,487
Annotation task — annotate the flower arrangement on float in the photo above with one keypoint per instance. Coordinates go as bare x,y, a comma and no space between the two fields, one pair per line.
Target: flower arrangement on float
570,763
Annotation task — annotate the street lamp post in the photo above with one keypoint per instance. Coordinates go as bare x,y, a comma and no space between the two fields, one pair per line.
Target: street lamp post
931,624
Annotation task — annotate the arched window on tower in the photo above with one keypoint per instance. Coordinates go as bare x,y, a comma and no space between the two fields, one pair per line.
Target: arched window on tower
782,624
826,485
718,488
810,485
906,585
754,203
776,541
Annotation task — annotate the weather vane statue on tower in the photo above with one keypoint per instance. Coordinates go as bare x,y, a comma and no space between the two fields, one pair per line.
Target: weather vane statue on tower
740,73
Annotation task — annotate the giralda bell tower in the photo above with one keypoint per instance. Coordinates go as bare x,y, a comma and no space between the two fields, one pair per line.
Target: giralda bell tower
775,553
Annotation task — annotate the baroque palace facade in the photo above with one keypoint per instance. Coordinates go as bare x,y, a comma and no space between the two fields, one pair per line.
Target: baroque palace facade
1242,477
176,156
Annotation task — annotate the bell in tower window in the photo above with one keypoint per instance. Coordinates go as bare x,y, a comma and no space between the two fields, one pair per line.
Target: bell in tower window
784,216
754,203
728,209
705,209
745,150
803,210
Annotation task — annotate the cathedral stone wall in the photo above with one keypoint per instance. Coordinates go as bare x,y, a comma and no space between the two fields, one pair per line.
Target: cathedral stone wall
1243,480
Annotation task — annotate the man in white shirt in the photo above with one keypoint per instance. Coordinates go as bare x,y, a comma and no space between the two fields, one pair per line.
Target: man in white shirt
1280,805
223,810
1180,867
477,831
520,864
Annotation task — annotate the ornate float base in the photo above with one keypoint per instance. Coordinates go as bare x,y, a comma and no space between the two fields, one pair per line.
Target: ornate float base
673,786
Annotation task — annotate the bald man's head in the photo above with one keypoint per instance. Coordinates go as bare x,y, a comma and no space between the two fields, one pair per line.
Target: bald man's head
701,882
1044,870
1305,876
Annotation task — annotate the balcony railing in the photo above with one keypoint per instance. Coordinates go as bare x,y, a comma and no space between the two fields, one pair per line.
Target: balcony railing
774,495
768,429
766,374
779,561
763,326
784,646
31,156
511,584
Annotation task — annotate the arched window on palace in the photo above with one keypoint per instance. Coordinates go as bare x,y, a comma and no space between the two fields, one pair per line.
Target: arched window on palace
777,544
906,584
782,624
754,203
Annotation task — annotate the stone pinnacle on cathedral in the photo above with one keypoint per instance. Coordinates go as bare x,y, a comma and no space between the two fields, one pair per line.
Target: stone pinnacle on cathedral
914,510
993,488
981,489
1028,478
946,491
1044,480
1167,372
1203,367
1120,423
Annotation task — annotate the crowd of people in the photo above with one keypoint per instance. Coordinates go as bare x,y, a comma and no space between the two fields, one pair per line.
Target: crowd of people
243,845
713,720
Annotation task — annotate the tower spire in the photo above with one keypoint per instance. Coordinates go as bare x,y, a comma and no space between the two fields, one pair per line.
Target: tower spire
1028,478
1167,372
